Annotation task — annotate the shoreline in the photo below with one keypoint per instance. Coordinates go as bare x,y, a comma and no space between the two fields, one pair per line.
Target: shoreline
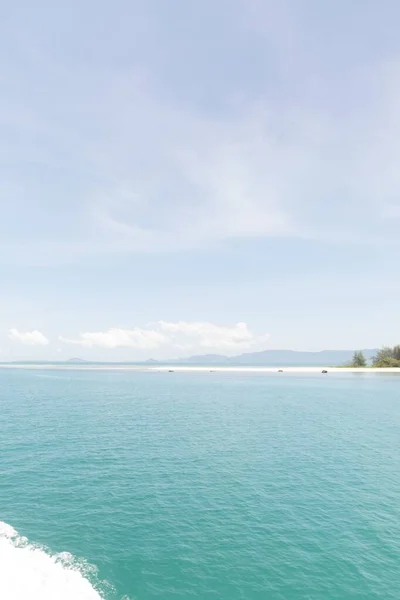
198,369
283,369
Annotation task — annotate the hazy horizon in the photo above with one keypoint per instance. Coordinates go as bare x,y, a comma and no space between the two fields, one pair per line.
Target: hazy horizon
239,359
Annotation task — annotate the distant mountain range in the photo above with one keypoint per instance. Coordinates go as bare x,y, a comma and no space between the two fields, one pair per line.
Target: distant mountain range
277,357
267,358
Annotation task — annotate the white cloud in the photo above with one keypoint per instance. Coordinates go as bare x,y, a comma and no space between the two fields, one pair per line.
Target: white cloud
31,338
143,339
181,335
262,171
208,335
221,179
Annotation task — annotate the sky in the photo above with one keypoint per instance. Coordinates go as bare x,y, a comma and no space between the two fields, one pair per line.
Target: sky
193,177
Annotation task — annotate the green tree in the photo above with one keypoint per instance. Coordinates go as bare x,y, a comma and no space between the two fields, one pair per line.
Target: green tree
396,352
390,362
359,359
386,357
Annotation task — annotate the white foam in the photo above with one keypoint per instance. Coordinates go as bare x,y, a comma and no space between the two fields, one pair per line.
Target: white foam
28,572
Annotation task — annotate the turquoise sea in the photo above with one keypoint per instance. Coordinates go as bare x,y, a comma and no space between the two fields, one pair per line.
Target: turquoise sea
229,486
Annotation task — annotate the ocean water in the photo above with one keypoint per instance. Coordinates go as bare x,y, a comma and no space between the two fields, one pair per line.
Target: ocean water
145,485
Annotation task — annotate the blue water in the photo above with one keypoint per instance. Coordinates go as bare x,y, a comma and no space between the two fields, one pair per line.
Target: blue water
199,485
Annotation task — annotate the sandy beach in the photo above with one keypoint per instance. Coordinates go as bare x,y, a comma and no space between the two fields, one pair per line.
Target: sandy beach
274,369
196,369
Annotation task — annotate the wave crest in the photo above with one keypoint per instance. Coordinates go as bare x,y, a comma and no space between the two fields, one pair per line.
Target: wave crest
30,571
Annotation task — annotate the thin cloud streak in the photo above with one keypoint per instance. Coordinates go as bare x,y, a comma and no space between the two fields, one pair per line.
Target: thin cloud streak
152,173
30,338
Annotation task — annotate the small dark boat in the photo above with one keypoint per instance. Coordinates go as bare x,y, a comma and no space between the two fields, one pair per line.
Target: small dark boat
324,371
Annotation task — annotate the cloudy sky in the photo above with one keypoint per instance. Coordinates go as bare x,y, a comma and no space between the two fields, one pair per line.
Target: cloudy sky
180,177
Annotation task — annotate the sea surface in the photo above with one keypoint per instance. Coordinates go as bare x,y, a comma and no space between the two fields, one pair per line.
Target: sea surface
229,486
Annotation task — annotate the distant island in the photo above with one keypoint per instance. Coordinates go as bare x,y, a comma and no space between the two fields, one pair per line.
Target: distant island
273,358
385,357
377,358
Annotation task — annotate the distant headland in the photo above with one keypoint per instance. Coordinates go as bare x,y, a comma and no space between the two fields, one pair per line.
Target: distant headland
271,358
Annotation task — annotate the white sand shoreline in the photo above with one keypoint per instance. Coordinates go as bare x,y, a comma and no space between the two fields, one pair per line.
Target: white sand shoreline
274,369
196,369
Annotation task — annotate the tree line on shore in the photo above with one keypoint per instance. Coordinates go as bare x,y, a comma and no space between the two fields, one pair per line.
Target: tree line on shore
385,357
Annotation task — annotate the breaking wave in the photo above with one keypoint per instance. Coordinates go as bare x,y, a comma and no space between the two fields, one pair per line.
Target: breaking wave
28,571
